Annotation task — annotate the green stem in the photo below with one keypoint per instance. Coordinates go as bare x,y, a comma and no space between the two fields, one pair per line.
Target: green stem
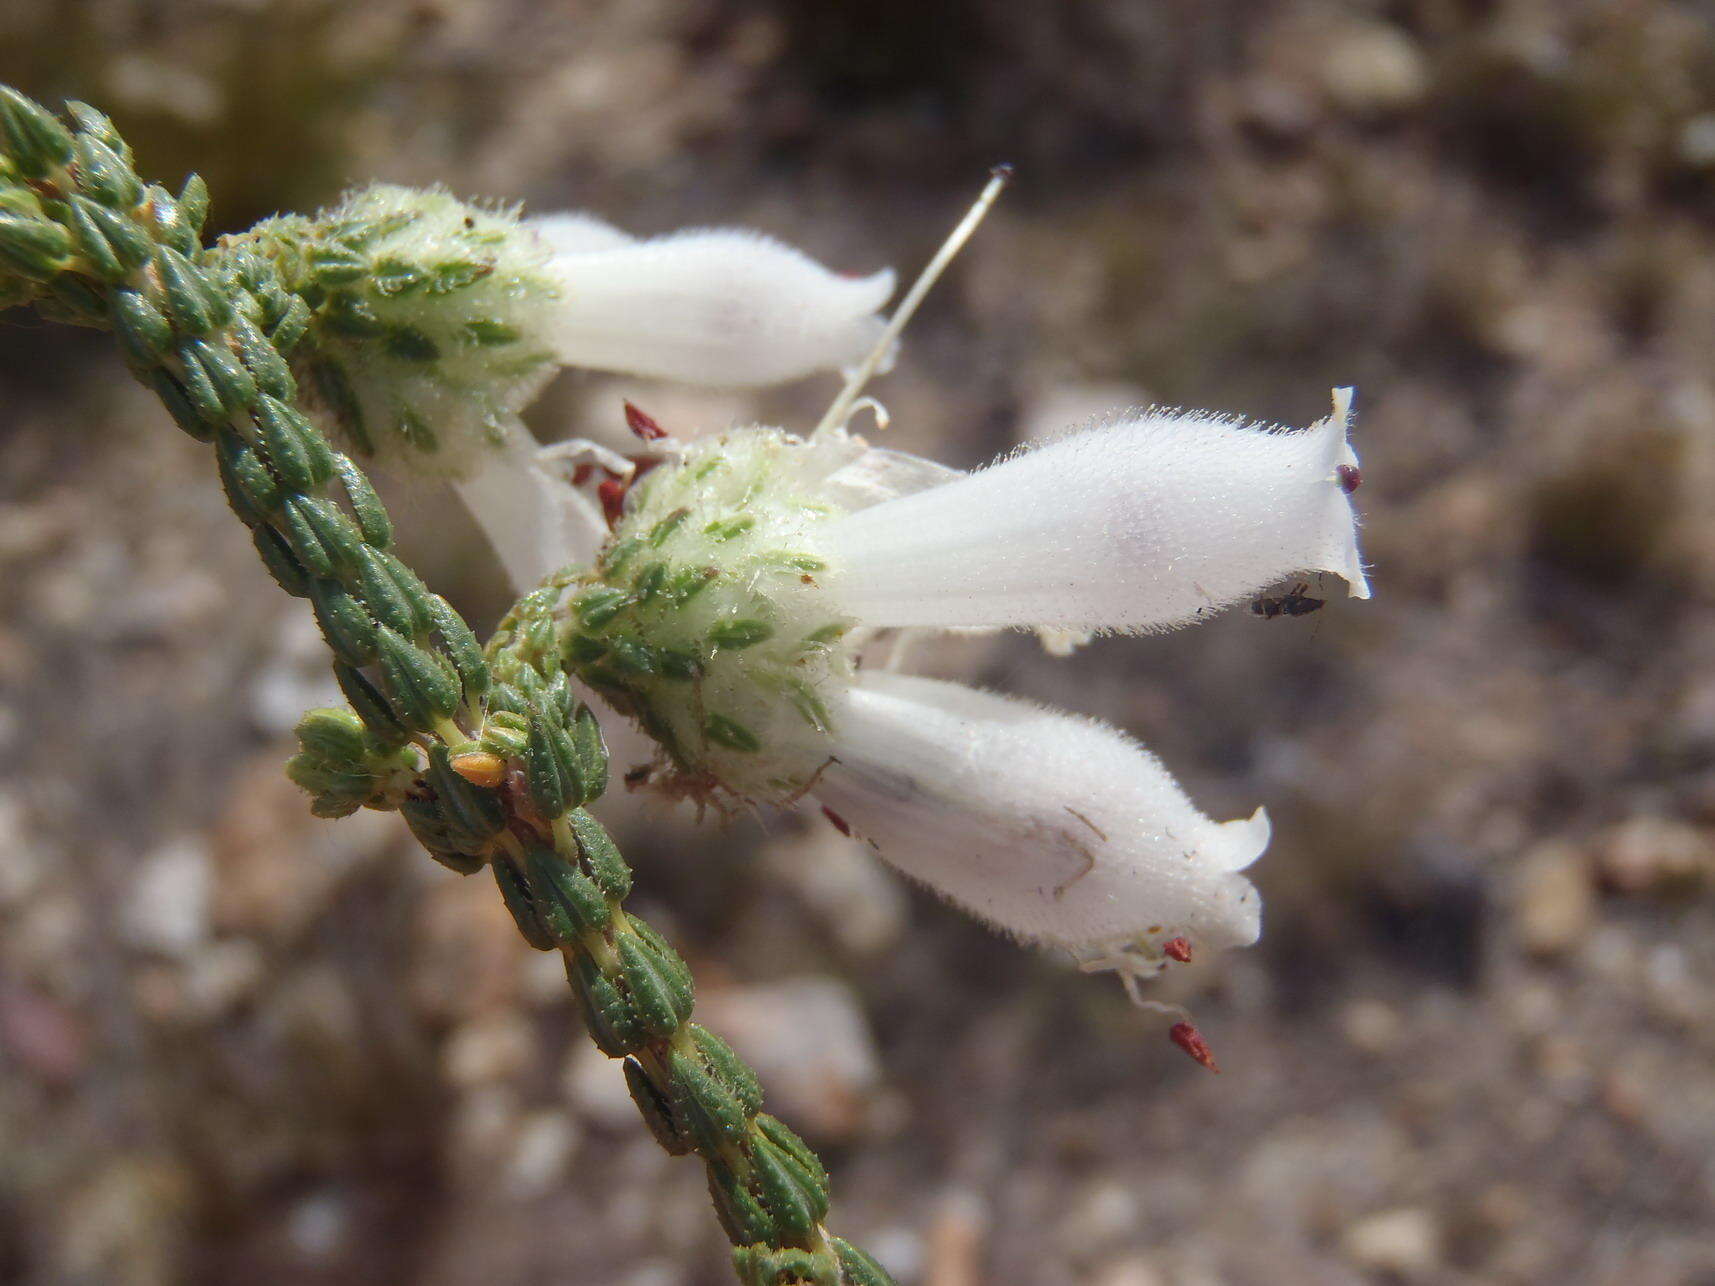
214,334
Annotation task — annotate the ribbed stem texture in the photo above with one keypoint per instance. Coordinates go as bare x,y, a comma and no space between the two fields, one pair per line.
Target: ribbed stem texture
487,752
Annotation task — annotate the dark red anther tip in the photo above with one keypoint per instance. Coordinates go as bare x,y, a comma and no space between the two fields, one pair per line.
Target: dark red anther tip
1177,949
1189,1039
612,496
1351,477
643,424
840,824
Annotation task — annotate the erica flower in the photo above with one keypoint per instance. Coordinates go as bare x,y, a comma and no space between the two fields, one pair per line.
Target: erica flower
434,322
721,307
728,612
1142,524
1056,829
717,307
723,597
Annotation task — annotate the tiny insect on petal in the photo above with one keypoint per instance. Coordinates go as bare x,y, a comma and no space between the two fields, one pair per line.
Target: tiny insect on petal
1189,1039
1295,602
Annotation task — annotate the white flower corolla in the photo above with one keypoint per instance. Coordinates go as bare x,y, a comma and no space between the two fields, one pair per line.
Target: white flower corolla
1141,524
438,322
721,307
726,610
1055,829
522,497
722,618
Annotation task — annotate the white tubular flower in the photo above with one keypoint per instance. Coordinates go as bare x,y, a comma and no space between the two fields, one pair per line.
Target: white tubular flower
1054,829
433,323
1138,525
720,307
726,613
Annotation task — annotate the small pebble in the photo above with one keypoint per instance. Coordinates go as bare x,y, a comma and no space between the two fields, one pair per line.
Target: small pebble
1370,69
1554,904
1405,1241
547,1140
167,909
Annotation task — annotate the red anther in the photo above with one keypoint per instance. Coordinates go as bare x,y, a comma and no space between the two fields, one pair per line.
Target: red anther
581,474
612,496
1177,949
1189,1039
840,824
1351,477
643,424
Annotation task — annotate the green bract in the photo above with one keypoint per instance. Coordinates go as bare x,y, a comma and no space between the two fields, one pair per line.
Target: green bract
425,318
705,618
406,310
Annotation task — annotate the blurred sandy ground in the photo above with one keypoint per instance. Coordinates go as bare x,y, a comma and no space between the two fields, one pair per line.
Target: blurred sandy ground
240,1045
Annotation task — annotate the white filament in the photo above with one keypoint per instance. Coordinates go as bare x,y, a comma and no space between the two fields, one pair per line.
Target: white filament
843,405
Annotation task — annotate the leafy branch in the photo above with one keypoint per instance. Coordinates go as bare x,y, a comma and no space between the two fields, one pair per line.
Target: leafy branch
488,753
